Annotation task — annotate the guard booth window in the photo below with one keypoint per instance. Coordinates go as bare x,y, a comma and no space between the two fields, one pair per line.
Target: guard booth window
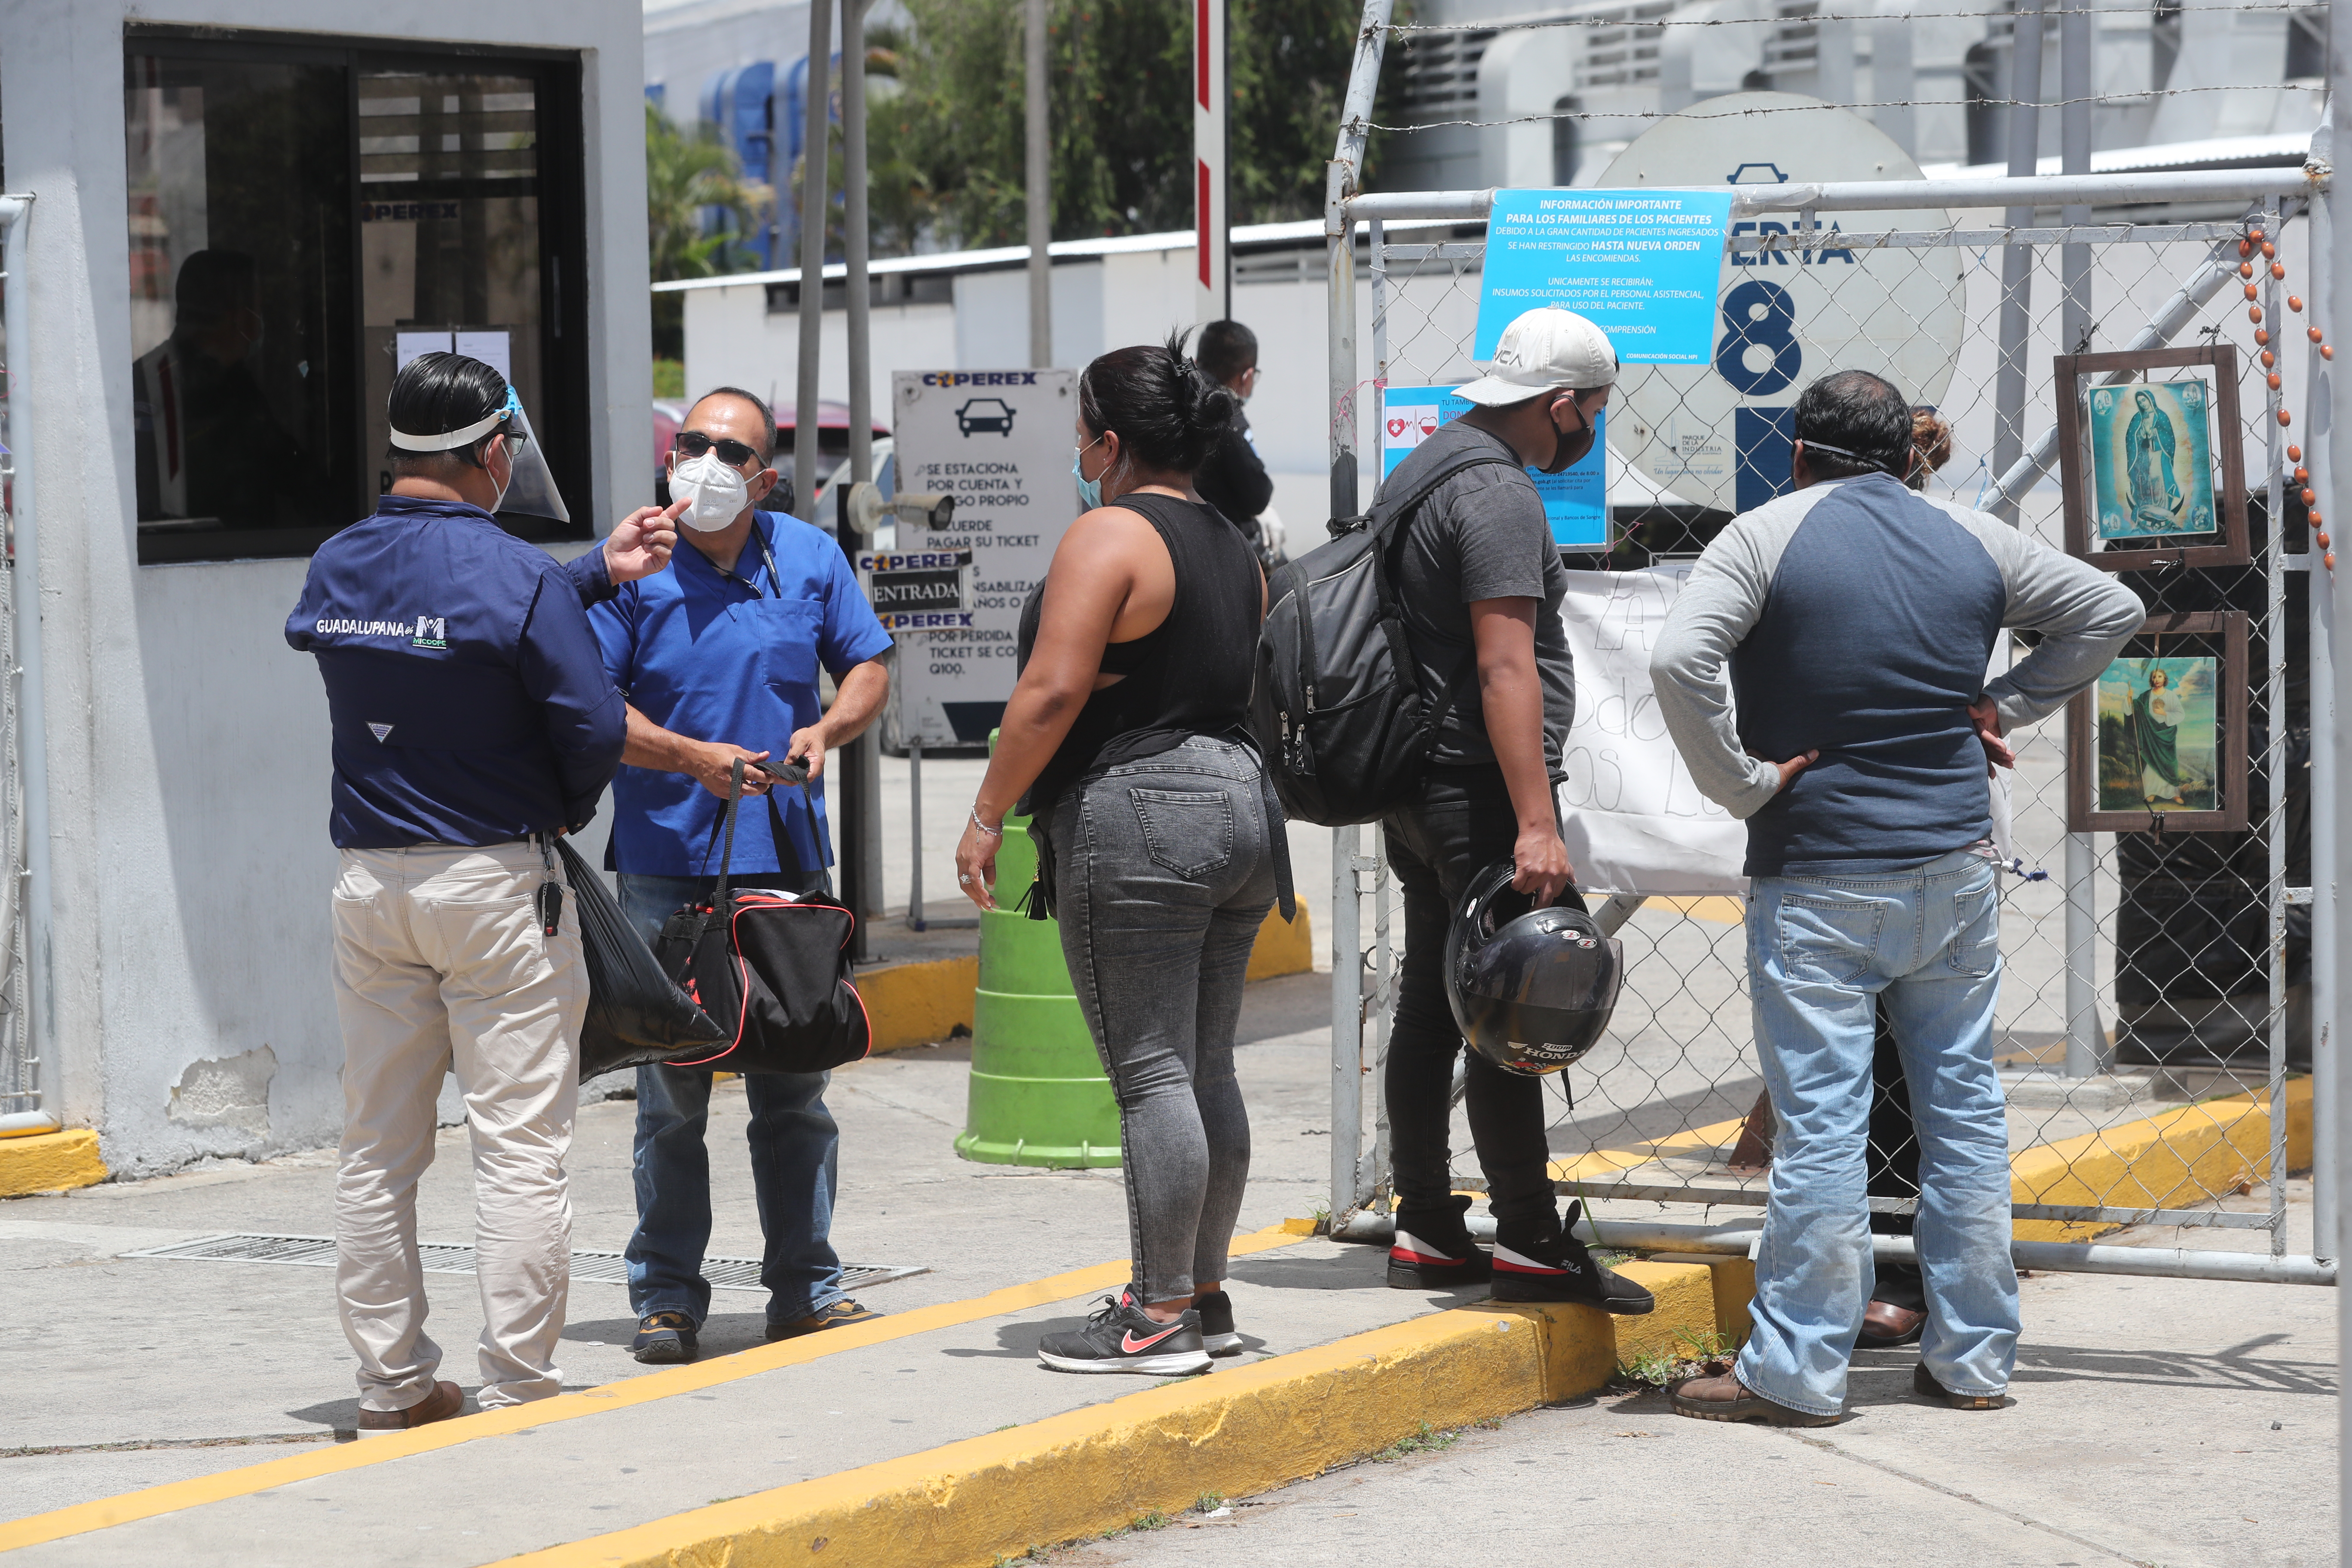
305,218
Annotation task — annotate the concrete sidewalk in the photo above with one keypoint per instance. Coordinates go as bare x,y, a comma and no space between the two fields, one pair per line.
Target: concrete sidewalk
2176,1422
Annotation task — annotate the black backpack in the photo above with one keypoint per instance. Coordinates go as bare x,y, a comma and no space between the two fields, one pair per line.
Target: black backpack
1338,709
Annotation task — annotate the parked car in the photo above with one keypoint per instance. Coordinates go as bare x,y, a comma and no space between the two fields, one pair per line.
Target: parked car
831,445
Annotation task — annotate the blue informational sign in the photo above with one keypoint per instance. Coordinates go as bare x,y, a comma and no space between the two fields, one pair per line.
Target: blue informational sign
1576,498
1640,265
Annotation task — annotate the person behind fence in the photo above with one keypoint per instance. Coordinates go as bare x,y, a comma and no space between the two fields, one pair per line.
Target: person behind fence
718,659
1858,619
1480,583
473,722
1232,477
1161,844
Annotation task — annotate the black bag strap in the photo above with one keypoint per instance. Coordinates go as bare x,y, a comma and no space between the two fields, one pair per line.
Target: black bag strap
794,773
1388,529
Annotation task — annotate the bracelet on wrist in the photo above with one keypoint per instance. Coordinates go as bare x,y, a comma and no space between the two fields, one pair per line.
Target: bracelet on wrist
997,832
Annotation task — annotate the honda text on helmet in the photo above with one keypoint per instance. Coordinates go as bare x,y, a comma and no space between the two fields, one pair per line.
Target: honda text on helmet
1532,993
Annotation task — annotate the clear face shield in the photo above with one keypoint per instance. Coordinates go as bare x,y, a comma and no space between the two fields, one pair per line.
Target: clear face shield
531,492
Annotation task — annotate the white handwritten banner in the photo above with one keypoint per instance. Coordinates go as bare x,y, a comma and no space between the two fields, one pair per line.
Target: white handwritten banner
1632,819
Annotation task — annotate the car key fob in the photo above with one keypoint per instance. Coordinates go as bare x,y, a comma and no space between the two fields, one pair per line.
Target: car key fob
551,907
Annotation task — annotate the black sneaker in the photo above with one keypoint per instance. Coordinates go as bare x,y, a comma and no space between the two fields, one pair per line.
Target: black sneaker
1557,1268
1433,1250
841,1314
663,1338
1217,1335
1123,1337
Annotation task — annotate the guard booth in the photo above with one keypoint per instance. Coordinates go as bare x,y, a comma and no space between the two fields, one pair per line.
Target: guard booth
242,220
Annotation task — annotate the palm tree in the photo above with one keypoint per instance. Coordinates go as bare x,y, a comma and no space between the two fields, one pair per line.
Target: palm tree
686,175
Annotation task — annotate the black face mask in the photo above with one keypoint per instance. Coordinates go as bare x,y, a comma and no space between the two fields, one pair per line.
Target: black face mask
1568,448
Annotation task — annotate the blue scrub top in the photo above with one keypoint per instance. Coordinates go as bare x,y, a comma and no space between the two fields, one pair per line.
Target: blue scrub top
730,657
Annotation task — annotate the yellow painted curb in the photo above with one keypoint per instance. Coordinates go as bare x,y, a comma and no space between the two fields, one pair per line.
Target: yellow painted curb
1234,1431
2171,1160
46,1162
915,1003
1284,947
174,1495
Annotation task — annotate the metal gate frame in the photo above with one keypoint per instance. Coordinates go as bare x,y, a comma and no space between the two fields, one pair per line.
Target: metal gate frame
1364,980
27,1093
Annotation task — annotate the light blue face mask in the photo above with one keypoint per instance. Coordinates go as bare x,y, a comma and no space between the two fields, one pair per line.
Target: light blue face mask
1089,491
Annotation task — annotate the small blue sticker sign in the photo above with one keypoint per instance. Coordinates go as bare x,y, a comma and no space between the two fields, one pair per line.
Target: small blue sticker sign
1642,265
1576,500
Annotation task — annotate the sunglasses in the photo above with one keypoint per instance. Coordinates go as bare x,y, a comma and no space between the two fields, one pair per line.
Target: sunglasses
693,443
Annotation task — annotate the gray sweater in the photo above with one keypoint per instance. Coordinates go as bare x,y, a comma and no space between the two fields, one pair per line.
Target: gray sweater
1858,619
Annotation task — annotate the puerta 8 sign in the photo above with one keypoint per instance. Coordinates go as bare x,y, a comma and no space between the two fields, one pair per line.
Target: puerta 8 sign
1718,434
1000,442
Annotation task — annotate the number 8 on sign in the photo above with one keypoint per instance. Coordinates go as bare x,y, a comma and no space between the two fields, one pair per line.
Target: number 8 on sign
1758,353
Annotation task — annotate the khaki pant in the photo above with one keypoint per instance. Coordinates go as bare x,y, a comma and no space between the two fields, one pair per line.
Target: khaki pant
440,965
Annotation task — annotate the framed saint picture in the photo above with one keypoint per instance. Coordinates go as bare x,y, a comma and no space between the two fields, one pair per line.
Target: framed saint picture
2150,461
2157,744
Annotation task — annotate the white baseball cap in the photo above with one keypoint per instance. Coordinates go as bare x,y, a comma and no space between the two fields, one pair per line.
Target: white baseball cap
1545,349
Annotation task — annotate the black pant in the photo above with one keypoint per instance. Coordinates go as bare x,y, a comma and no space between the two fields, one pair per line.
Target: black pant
1463,824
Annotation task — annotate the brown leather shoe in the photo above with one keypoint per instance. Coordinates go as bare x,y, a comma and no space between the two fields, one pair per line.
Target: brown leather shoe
1724,1397
446,1400
1923,1381
1885,1325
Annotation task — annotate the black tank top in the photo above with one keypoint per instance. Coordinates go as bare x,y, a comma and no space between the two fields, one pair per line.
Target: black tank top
1188,675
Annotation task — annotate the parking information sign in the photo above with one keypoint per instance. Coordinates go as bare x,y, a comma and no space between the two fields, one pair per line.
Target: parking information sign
1640,265
998,441
1576,500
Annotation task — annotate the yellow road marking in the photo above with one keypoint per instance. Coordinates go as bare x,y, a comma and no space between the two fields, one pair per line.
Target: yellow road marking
173,1495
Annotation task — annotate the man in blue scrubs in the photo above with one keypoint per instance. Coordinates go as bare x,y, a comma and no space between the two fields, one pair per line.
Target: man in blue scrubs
718,659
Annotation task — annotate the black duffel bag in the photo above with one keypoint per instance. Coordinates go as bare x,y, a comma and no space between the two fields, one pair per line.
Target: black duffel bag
770,968
636,1015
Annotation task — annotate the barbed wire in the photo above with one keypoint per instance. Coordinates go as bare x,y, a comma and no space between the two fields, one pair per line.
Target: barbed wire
1815,107
1406,29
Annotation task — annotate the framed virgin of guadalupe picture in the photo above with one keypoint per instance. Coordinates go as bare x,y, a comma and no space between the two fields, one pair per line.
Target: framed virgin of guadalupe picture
2157,744
2150,453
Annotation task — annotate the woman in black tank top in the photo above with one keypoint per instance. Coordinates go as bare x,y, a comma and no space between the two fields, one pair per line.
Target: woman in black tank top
1160,845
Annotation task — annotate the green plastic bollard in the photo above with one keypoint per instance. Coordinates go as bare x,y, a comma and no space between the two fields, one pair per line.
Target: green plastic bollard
1038,1093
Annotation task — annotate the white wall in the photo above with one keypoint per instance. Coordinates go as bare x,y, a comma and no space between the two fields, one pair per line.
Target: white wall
1099,303
186,744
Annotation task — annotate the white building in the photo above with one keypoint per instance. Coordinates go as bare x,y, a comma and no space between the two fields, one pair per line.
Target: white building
348,174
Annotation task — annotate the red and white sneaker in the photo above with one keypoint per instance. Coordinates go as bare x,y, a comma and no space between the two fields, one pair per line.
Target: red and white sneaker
1123,1337
1433,1250
1559,1269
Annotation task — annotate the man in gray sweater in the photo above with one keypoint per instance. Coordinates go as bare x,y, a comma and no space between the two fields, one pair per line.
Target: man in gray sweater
1858,619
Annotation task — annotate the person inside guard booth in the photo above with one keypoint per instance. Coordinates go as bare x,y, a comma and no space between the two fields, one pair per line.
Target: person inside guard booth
718,658
473,722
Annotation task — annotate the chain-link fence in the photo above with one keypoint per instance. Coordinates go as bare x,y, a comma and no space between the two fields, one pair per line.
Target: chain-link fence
25,1105
2156,1014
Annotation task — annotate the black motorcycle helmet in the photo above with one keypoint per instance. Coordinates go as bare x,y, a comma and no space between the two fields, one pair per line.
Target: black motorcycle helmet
1532,989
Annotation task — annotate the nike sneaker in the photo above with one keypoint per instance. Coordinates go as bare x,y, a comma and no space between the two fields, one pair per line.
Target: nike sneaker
1123,1337
1432,1250
1557,1268
1217,1335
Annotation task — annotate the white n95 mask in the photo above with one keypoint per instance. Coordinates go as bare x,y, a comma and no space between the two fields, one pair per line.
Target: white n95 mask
718,493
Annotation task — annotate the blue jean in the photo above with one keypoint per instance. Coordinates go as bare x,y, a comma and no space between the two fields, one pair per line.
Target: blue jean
794,1148
1821,949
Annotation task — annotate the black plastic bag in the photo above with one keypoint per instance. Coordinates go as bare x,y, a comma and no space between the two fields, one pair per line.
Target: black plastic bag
636,1016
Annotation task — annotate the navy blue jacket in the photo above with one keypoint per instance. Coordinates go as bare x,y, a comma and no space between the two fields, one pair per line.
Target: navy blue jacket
470,704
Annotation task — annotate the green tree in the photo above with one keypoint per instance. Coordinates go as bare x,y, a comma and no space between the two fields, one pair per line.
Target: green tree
1121,112
686,174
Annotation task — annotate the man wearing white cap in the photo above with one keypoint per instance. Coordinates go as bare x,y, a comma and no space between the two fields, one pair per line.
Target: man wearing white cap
1480,582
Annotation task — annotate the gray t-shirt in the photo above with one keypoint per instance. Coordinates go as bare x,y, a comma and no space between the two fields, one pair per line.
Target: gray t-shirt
1482,534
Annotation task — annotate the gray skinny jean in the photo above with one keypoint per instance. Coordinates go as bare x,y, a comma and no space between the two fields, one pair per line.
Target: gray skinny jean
1164,869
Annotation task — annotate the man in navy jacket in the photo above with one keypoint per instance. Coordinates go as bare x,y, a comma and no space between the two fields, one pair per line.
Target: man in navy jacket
473,723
